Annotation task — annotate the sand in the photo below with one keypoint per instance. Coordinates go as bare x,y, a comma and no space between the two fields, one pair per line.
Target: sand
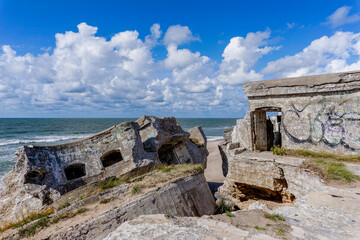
213,171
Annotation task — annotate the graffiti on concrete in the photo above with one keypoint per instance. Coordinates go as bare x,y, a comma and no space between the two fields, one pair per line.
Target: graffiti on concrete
331,123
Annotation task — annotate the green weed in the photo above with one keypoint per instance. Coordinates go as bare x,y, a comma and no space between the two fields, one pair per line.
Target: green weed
274,217
260,228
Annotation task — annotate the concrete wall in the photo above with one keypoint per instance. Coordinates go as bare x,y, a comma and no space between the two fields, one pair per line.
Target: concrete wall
324,121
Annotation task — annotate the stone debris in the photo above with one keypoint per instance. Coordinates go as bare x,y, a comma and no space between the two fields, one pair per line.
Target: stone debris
160,227
42,174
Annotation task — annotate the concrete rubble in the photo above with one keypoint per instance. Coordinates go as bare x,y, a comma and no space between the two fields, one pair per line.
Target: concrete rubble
158,227
42,174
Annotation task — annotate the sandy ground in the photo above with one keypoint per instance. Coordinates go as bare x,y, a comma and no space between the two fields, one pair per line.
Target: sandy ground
213,171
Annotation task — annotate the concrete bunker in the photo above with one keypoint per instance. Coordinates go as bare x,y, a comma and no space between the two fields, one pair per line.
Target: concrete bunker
265,128
319,113
75,171
111,157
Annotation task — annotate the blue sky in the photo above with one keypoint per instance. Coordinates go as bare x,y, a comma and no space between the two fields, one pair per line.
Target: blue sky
180,58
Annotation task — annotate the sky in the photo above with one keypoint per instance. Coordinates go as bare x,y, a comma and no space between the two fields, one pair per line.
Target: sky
164,58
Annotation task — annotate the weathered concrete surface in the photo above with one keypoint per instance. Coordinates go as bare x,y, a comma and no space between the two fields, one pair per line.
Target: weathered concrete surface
174,145
187,197
44,173
346,81
319,113
158,227
329,213
265,176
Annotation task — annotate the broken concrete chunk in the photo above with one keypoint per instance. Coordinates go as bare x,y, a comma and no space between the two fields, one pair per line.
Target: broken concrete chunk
197,136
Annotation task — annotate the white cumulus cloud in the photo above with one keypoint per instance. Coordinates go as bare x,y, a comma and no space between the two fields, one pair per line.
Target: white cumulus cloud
240,55
341,17
323,55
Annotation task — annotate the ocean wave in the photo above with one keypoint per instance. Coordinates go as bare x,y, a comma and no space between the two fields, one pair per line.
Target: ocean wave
42,139
214,138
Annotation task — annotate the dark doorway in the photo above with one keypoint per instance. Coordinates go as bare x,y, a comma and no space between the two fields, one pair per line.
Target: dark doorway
111,157
166,154
75,171
266,132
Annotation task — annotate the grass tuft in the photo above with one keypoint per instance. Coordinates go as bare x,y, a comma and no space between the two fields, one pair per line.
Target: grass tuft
29,219
224,208
310,154
112,182
136,189
336,170
43,222
65,205
277,150
165,168
260,228
274,217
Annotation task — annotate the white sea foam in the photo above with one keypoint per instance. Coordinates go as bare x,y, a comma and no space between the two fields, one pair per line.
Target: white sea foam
214,138
42,139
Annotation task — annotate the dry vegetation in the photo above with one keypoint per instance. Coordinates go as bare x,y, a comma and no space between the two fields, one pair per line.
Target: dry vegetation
327,165
137,185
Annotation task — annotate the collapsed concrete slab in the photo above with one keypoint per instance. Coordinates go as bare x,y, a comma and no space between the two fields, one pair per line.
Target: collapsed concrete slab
44,173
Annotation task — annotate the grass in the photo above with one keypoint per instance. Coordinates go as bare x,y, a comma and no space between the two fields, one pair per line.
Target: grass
330,164
43,222
65,205
169,216
229,214
105,200
136,189
29,219
184,168
280,232
112,182
68,215
260,228
278,150
165,168
310,154
223,208
274,217
336,170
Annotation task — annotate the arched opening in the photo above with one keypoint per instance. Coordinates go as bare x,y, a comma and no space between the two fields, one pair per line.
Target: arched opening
111,157
34,177
75,171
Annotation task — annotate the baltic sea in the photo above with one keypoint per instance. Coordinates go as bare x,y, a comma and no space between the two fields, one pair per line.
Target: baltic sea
15,132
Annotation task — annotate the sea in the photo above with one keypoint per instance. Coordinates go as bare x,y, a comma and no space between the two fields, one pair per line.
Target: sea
16,132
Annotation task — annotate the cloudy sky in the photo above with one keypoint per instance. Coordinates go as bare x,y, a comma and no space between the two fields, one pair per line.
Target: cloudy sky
180,58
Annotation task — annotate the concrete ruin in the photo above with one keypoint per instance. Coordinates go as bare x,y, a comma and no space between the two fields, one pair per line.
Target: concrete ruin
316,113
42,174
